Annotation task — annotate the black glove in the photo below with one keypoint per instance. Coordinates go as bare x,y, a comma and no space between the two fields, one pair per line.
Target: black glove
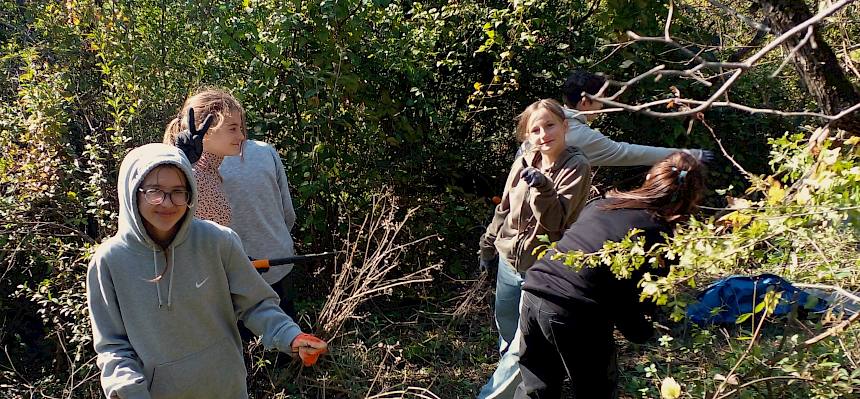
485,265
190,140
533,177
707,157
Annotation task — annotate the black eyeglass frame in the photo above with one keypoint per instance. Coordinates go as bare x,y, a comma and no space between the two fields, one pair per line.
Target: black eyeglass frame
164,195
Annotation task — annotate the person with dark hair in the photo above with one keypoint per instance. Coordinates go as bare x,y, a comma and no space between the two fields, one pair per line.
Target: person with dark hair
599,149
567,316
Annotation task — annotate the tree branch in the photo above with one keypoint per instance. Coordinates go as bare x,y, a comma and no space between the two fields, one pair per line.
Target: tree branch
734,69
747,20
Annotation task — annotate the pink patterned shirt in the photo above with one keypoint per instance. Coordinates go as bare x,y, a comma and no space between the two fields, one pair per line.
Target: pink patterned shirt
212,203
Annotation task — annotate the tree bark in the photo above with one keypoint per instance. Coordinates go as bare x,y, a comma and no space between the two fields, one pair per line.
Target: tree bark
817,64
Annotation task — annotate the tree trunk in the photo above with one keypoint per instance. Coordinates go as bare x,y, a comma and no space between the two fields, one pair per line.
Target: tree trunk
818,67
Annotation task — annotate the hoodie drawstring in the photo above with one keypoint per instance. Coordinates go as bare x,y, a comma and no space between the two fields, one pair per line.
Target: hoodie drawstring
158,282
170,283
155,270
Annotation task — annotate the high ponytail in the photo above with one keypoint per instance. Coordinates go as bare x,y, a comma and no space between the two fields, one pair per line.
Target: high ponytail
172,130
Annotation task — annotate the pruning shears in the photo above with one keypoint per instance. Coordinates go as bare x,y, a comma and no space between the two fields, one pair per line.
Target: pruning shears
263,265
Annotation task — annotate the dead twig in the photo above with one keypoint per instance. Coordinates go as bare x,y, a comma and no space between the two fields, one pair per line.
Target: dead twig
794,50
744,356
833,330
366,269
473,296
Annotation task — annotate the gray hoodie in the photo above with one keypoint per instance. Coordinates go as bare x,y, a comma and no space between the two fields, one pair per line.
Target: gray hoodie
176,338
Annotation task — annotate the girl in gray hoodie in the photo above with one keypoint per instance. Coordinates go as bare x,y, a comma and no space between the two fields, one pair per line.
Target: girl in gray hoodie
166,291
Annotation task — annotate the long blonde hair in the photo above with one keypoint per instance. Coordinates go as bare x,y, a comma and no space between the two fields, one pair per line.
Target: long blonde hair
207,100
523,118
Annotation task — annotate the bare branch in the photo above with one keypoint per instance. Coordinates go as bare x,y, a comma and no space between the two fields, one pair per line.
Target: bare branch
587,15
683,49
747,20
746,353
616,106
833,330
852,109
756,381
793,52
365,271
617,48
726,154
418,392
848,294
669,20
734,69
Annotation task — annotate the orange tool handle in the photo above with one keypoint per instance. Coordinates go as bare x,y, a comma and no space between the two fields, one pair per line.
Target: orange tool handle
260,264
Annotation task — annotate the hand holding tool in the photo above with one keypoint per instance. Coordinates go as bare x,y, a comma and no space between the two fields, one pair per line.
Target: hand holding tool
309,348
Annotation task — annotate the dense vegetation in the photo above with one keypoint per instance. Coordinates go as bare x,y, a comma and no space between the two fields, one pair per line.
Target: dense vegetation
416,101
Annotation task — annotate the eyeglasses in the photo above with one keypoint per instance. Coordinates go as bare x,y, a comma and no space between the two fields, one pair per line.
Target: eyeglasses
154,196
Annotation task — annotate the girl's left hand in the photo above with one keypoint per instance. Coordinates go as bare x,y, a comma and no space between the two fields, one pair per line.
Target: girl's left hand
309,348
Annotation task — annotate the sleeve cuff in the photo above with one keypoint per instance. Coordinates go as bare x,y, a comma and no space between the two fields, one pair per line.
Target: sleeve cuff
488,253
137,391
285,339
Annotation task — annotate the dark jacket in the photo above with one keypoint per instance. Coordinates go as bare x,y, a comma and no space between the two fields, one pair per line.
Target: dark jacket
596,291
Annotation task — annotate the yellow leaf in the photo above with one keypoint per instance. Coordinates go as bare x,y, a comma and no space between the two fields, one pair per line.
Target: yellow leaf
853,140
775,194
735,219
830,156
478,85
670,389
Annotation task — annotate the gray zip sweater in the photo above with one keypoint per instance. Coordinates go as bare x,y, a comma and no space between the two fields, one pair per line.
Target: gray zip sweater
176,338
263,213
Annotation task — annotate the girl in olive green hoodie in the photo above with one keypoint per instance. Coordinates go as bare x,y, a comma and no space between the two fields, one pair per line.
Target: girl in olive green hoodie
166,291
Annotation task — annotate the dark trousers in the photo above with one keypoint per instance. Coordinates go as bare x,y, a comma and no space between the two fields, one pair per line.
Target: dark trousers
287,294
558,342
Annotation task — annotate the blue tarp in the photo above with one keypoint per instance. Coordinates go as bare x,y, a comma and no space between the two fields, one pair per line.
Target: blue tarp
729,298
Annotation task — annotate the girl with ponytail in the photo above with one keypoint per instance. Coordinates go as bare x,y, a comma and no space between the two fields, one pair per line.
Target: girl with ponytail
209,126
567,317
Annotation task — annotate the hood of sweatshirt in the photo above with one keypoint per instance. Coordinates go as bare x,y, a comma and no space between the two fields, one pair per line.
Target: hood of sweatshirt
176,337
570,113
136,165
